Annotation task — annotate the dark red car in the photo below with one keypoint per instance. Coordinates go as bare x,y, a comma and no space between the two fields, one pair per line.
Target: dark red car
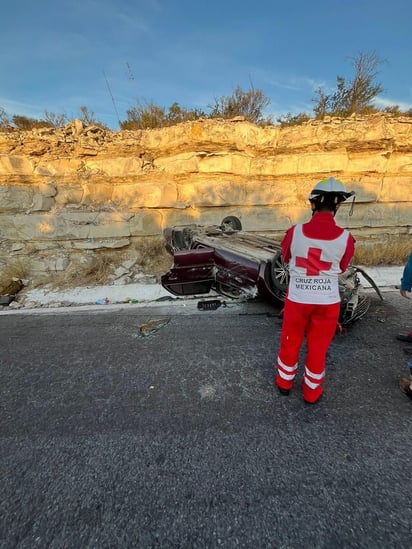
235,263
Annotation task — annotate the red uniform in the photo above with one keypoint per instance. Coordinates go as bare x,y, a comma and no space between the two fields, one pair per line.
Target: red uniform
317,252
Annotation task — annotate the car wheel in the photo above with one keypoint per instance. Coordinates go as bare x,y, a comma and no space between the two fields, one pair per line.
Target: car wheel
231,222
279,276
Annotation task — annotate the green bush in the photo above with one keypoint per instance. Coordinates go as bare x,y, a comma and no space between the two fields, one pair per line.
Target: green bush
145,116
249,104
355,96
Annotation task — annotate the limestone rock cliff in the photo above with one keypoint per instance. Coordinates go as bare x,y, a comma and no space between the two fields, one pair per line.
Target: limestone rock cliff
73,191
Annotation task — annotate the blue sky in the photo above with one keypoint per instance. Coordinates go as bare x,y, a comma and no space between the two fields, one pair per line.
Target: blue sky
108,54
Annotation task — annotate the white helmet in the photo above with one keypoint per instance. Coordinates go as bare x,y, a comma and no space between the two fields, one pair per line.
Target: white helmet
332,188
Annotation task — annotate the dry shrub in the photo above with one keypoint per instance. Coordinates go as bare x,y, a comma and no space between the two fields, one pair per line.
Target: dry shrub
390,250
97,271
16,269
152,255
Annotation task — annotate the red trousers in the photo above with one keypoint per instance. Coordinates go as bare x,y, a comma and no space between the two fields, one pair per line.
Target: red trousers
318,323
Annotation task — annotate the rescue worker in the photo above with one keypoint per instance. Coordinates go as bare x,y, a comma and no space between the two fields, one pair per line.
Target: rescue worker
316,252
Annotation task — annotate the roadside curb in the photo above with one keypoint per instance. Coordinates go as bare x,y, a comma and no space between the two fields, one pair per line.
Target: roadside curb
110,298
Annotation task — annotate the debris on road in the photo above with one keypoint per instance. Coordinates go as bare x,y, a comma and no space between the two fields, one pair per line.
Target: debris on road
152,326
210,305
130,300
6,299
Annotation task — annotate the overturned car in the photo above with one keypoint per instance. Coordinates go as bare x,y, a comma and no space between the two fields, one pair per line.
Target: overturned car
236,263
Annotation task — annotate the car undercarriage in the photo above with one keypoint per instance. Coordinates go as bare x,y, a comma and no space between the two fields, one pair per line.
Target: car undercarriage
240,264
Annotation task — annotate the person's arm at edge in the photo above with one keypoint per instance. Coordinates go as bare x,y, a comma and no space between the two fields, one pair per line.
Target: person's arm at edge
348,255
406,280
286,243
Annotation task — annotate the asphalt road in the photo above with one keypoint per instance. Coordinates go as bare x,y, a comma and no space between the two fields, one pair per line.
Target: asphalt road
110,439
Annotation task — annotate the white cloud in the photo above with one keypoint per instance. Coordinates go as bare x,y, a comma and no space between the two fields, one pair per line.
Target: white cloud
383,102
21,108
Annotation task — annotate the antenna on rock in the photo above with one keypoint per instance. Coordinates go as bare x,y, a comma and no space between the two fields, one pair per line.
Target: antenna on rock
129,71
112,98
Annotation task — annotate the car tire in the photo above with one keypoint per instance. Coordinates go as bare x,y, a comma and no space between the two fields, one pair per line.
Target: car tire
279,276
231,222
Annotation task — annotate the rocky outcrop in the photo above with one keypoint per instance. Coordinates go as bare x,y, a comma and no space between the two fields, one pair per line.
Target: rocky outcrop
77,191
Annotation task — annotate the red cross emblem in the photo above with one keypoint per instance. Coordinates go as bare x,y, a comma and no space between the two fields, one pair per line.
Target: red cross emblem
313,263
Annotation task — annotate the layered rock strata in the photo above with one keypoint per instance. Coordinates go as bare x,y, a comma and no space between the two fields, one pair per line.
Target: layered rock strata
69,193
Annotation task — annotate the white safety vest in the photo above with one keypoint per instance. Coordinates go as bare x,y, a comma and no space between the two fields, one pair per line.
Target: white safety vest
314,268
